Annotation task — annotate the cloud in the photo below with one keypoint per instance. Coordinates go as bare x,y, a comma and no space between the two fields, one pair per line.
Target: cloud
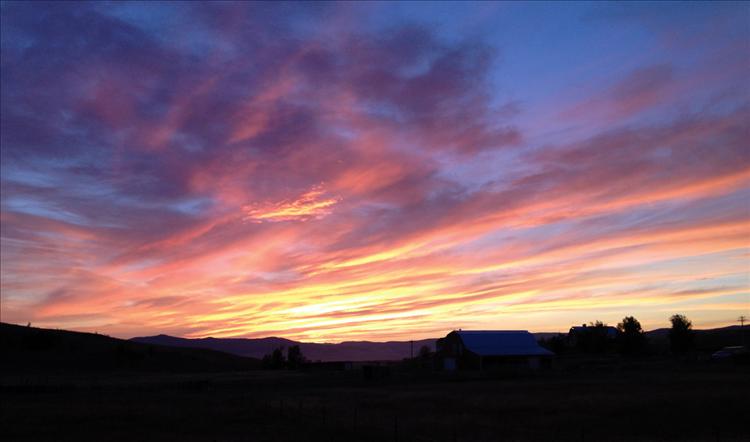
309,205
639,90
247,169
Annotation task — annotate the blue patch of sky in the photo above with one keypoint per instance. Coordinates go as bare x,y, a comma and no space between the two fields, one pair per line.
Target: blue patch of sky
33,206
192,206
552,55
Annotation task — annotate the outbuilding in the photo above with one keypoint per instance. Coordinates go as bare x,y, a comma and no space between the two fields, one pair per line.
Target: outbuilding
485,349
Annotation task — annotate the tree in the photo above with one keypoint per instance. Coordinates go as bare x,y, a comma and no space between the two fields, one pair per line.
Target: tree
681,336
555,344
425,352
294,357
631,339
594,338
275,360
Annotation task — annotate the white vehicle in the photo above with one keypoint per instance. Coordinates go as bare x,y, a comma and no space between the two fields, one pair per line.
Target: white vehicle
730,352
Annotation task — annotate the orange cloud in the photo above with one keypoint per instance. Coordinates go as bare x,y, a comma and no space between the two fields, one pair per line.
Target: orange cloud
310,205
182,194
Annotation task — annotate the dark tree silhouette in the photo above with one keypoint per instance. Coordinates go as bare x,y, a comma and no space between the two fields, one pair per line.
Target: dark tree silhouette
266,361
425,352
631,339
294,357
681,336
593,339
555,344
275,360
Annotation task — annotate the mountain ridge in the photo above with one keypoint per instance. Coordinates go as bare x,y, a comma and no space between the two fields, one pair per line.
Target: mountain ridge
31,349
363,350
314,351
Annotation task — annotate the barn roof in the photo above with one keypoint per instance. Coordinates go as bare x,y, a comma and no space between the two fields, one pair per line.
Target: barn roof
502,343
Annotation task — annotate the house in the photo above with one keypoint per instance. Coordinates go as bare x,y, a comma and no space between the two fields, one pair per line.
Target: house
490,349
608,331
593,338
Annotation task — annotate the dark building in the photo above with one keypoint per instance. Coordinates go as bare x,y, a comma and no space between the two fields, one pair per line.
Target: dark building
480,350
583,334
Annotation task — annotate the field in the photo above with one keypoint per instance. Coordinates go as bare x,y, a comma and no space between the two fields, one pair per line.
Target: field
649,400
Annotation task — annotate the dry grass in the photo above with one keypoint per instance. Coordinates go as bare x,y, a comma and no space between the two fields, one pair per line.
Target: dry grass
699,402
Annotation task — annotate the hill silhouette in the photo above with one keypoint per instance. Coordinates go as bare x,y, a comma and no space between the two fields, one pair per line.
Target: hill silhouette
257,348
31,349
706,340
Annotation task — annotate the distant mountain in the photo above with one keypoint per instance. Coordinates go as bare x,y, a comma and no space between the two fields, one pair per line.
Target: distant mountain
705,340
257,348
31,349
394,350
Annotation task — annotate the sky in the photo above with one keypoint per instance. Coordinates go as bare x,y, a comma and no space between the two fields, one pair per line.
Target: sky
373,171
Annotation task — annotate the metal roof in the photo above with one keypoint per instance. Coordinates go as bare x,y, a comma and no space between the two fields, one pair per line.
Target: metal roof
502,343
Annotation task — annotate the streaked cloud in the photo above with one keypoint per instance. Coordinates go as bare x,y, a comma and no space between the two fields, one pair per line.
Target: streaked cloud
310,205
337,172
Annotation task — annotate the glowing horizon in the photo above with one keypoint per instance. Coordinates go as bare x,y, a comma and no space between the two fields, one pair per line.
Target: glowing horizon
380,171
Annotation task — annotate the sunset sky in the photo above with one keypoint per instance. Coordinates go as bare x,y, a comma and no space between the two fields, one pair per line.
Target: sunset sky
350,171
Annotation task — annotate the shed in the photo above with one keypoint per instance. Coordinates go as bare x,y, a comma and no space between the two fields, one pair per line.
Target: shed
482,349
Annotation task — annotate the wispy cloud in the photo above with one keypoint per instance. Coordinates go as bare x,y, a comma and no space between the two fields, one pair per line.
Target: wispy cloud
322,175
310,205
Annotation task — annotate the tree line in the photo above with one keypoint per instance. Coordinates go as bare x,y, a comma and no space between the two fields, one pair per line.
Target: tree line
276,360
595,338
627,338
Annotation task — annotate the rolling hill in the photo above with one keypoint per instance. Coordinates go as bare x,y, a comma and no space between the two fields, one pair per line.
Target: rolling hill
257,348
31,349
706,340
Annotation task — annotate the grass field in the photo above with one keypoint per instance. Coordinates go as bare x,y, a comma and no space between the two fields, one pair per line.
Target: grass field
666,401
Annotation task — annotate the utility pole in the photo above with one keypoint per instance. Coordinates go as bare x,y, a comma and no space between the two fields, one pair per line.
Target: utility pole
742,320
411,343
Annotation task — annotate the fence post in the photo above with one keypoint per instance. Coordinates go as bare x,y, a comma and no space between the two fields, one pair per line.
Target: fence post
395,428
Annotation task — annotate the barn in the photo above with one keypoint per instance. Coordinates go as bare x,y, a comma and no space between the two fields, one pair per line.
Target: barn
604,332
486,349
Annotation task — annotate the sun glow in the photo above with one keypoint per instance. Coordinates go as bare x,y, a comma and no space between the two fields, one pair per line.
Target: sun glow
359,174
